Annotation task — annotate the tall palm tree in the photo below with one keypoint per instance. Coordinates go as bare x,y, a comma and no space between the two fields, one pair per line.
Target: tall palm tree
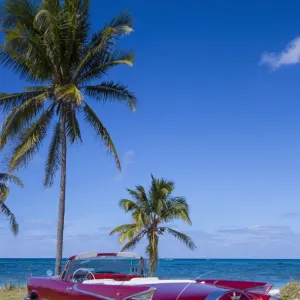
49,43
150,214
4,191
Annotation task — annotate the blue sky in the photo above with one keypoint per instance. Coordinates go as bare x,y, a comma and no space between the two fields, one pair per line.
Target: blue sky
218,113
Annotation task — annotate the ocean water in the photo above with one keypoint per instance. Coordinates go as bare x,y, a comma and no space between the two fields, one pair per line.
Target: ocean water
275,271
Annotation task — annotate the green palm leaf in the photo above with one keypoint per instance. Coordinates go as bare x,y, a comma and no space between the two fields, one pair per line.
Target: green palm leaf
53,162
31,140
104,41
4,190
150,210
122,228
5,177
134,241
129,205
8,102
72,125
12,219
20,117
180,236
176,208
103,64
96,124
16,11
49,43
112,91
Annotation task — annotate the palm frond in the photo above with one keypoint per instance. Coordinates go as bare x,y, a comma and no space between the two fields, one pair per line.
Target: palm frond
104,63
72,125
16,11
75,28
112,91
134,241
161,187
47,23
122,228
139,194
96,124
4,190
10,101
121,24
129,205
20,117
51,6
128,234
103,42
30,140
6,177
185,239
159,192
23,53
176,208
53,162
126,231
12,219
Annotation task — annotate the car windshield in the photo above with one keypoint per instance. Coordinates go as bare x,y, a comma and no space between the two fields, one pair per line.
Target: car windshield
106,265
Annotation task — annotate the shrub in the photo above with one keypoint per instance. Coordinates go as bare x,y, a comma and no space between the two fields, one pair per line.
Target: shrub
12,293
291,291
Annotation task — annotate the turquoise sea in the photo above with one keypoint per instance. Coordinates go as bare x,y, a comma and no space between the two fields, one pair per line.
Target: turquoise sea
275,271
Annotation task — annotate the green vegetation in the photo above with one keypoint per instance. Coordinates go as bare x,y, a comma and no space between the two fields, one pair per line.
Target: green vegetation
49,44
9,291
4,191
13,293
291,291
150,213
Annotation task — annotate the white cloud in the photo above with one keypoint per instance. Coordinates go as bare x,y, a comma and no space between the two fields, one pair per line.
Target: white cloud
45,223
39,222
290,214
289,56
126,161
271,231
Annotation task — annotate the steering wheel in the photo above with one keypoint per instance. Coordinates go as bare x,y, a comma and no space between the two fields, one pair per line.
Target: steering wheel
80,280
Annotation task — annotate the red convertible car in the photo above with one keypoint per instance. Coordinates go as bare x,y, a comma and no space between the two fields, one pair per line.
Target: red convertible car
120,276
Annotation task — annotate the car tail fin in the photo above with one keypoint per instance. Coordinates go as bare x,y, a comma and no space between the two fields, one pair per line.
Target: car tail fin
262,289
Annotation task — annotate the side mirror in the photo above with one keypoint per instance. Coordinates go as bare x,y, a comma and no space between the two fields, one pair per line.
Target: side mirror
49,273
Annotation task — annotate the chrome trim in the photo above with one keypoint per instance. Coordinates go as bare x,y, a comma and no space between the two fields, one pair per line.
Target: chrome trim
65,270
220,293
152,289
75,288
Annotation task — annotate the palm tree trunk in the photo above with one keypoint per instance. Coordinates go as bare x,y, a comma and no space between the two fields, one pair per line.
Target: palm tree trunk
153,253
62,199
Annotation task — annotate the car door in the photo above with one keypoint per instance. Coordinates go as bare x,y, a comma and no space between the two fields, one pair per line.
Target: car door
94,292
58,290
65,290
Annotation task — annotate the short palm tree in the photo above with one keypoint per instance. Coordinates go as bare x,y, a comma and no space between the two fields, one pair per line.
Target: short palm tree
151,212
4,190
49,44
